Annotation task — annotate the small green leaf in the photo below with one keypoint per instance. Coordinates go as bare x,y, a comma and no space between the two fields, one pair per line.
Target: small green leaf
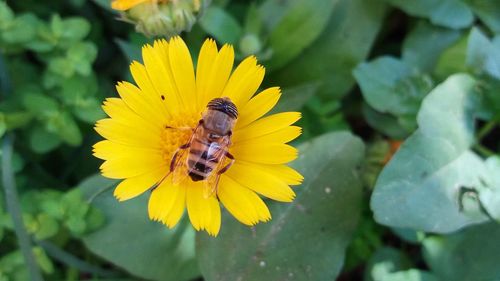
47,227
452,60
130,240
65,127
483,56
42,141
385,123
385,261
327,208
419,188
301,24
22,29
75,29
220,24
471,254
39,104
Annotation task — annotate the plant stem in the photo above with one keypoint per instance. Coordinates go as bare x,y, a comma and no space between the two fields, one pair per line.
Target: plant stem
486,129
73,261
13,208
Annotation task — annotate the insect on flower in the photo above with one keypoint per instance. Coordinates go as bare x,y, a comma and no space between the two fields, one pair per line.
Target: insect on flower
198,138
203,156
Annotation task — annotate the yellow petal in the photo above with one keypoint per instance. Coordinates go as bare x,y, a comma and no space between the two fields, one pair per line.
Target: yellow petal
213,70
269,124
258,106
181,65
285,173
242,203
121,113
281,136
204,213
264,153
133,97
261,181
126,135
126,167
166,203
107,150
123,5
244,81
149,92
156,63
134,186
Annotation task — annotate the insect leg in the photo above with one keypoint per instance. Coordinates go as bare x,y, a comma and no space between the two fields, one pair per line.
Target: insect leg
231,157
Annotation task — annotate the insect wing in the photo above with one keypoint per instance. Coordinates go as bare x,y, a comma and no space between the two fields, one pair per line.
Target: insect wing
210,184
180,169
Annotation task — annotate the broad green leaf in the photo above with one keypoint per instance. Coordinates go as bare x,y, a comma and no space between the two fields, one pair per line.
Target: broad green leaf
488,11
344,43
221,25
392,86
293,99
483,55
419,188
384,123
306,239
130,51
452,60
448,13
472,254
490,197
130,240
22,29
425,43
301,24
387,260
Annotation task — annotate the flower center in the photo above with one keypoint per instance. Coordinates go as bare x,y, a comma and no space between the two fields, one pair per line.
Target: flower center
176,133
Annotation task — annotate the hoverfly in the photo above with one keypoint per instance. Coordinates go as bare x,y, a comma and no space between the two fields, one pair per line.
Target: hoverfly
203,157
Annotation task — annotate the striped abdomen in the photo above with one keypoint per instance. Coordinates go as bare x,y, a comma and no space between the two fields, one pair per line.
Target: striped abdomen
203,159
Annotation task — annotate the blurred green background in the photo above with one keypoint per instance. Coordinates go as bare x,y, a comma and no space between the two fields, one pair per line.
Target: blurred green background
370,77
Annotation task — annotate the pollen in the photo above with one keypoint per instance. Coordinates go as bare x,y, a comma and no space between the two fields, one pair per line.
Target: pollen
175,134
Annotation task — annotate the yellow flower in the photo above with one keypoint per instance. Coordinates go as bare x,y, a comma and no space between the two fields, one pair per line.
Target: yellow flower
123,5
146,124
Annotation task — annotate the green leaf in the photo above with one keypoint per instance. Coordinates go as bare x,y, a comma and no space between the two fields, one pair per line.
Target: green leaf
221,25
301,24
47,227
327,207
131,52
448,13
425,43
345,42
488,11
65,126
391,86
420,186
452,60
385,261
490,197
75,29
130,240
384,123
42,141
483,55
22,29
472,254
39,104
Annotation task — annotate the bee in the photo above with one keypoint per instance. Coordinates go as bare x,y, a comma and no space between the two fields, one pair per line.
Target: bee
203,157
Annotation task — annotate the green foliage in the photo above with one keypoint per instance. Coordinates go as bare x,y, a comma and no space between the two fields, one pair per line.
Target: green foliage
423,74
325,209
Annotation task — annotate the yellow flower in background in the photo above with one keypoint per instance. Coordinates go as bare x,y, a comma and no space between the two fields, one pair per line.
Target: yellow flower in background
160,117
123,5
160,17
